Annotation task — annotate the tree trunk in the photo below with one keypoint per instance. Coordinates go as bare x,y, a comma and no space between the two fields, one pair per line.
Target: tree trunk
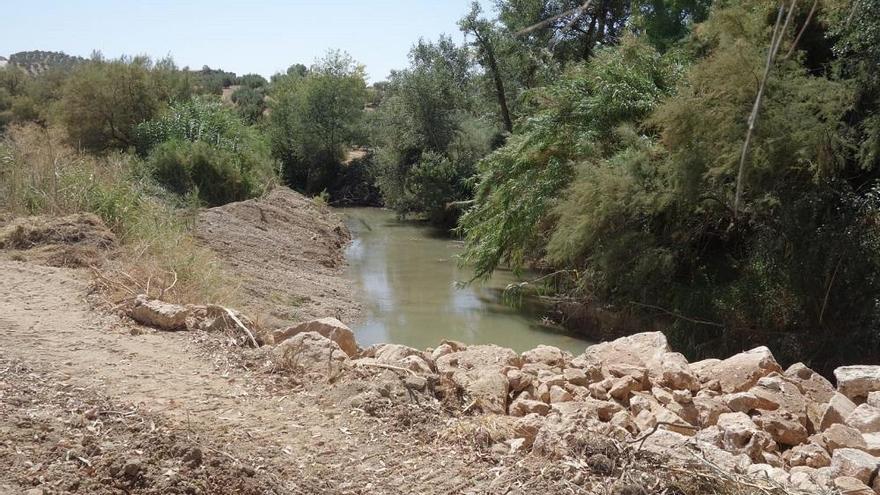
499,84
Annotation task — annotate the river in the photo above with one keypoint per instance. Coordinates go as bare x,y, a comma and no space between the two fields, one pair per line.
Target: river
407,274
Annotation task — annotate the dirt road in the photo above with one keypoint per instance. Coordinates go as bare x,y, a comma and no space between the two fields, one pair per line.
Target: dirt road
300,438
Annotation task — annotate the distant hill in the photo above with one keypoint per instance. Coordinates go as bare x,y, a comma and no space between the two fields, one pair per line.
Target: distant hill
36,61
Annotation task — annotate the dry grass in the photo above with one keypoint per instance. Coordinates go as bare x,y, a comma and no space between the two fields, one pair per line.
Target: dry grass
157,253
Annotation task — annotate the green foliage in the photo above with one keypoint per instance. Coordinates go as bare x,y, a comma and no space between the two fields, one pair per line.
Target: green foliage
217,175
520,183
250,103
202,147
426,120
315,116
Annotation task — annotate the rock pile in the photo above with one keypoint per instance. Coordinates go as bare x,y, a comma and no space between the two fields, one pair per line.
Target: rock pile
743,414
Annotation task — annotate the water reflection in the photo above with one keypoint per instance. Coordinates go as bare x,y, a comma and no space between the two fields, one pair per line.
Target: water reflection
407,274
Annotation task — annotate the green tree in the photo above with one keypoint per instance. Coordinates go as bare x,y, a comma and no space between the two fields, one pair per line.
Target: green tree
102,101
314,117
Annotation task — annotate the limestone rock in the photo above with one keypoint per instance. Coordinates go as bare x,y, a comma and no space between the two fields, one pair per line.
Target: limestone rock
708,410
741,372
776,392
809,454
872,443
836,411
865,418
847,485
700,368
559,394
158,314
855,463
670,369
783,427
329,327
874,398
622,387
740,401
309,352
576,376
840,436
524,407
478,370
856,382
739,434
637,350
518,380
546,354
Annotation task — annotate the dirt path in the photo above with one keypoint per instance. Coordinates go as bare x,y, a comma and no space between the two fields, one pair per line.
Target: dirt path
301,437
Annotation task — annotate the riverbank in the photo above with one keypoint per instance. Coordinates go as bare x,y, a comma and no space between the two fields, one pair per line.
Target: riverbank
151,397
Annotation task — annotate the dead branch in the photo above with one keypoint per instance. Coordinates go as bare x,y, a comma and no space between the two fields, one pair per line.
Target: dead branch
387,367
546,22
241,325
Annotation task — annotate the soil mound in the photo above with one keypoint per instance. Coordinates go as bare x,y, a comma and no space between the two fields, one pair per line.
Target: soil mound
70,241
286,251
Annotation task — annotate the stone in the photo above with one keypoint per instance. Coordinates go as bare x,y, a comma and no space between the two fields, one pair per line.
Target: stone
783,427
645,420
840,436
809,454
670,369
309,352
813,385
477,357
836,411
708,410
518,380
872,443
546,354
622,387
740,401
588,408
623,419
739,434
527,428
856,463
775,392
638,373
856,382
640,401
865,418
158,314
524,407
742,371
329,327
682,396
672,421
415,363
847,485
559,394
699,368
662,395
478,370
576,376
635,350
447,347
599,390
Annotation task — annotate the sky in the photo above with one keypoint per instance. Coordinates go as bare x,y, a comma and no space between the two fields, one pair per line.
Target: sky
262,37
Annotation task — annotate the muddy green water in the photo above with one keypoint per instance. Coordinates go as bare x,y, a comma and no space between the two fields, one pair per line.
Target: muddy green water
407,273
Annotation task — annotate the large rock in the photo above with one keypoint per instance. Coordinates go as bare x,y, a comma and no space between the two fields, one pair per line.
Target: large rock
479,371
815,388
865,418
309,352
810,455
329,327
783,427
847,485
840,436
836,411
855,463
634,350
741,372
158,314
524,407
708,410
856,382
777,393
670,369
740,435
546,354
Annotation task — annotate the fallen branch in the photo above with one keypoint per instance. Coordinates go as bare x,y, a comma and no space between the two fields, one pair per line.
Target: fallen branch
387,367
241,325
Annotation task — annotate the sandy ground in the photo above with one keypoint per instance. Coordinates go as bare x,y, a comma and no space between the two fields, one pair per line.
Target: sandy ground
296,437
